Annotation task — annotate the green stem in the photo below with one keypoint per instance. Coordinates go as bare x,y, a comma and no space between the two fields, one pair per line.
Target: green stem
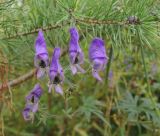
109,64
106,128
145,71
65,133
148,84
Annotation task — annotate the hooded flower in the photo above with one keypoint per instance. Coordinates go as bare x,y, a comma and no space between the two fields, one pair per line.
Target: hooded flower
75,53
98,57
33,97
41,59
56,72
32,100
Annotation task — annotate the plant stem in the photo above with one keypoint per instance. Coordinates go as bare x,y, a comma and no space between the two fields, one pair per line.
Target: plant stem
109,99
109,64
65,133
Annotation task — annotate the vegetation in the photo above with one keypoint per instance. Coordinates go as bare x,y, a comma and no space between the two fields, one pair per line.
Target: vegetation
126,103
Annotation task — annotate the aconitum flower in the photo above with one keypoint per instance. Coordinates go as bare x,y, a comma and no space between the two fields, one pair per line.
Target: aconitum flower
98,57
75,53
56,74
41,59
32,100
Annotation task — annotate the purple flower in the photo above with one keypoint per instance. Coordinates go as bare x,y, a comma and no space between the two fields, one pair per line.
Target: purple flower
75,53
56,74
35,94
41,59
32,101
97,56
28,112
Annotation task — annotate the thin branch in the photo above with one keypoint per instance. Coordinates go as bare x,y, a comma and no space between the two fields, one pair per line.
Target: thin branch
100,22
24,77
36,30
78,20
18,80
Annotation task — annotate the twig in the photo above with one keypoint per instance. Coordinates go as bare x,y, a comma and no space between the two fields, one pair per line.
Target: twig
78,20
102,22
36,30
18,80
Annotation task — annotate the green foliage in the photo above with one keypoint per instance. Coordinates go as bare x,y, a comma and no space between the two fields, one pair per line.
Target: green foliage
89,107
128,104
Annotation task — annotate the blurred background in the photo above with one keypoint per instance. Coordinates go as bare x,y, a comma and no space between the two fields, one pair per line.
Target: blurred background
127,103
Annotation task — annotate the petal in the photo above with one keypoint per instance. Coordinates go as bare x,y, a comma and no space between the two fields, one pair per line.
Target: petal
52,74
40,72
96,75
74,33
98,64
37,90
42,56
72,56
97,49
39,58
55,66
27,112
58,89
80,57
74,69
34,95
26,115
40,44
56,53
35,108
74,38
79,68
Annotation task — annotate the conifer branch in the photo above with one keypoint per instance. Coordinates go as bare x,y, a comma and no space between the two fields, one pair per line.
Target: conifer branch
36,30
131,20
99,22
78,20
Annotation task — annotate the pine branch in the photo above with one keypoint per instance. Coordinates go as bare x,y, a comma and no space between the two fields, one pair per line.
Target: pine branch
131,20
24,77
99,22
36,30
134,21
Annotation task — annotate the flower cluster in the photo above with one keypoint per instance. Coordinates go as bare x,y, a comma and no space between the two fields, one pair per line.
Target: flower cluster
54,70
